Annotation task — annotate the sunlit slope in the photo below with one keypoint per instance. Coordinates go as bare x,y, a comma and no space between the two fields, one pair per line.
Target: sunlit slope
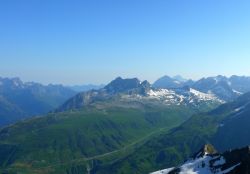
63,137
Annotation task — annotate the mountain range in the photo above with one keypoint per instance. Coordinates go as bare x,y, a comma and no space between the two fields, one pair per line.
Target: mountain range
225,88
19,100
128,126
127,92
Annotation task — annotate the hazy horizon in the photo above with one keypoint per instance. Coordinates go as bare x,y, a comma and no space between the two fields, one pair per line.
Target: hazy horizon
97,84
82,42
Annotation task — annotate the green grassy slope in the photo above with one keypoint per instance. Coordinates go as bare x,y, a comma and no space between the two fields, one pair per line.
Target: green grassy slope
167,150
60,141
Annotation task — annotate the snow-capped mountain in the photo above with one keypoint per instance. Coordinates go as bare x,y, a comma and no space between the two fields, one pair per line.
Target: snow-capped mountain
219,85
208,161
132,91
166,90
224,88
178,97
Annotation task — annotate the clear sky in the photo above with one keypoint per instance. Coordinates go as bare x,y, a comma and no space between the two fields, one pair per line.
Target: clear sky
94,41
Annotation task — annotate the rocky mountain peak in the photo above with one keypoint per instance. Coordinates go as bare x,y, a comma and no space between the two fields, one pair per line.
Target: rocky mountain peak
167,82
122,85
145,84
207,149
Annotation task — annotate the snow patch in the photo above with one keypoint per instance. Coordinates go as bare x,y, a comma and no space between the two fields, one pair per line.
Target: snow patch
237,92
203,165
165,171
182,96
202,95
172,97
239,109
160,92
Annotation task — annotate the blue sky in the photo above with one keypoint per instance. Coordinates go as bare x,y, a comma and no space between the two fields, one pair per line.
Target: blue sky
94,41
